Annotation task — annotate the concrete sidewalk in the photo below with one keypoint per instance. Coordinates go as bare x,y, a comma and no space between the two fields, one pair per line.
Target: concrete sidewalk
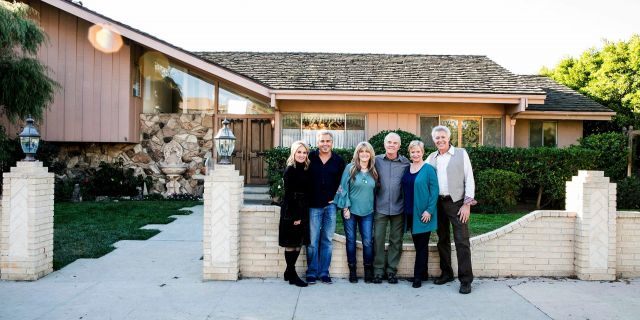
161,279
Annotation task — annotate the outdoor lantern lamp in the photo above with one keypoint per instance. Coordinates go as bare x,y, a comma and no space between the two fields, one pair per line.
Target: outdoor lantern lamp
29,140
225,143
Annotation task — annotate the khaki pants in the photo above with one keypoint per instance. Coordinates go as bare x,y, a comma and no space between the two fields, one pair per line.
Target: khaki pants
391,258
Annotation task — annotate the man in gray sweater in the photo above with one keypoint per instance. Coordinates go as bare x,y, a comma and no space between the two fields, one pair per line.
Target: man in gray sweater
389,207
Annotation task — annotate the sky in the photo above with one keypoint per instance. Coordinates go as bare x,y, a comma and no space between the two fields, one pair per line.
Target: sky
522,36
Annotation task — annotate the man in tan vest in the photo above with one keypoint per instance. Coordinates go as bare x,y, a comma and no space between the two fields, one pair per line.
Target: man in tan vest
457,191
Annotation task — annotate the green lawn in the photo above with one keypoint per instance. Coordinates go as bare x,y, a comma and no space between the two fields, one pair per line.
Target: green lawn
480,223
89,229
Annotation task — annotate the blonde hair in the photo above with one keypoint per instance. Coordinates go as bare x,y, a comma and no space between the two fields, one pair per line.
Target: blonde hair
291,161
356,161
416,143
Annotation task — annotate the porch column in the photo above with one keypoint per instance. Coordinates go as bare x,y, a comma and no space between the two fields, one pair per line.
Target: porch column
510,129
593,198
26,222
223,189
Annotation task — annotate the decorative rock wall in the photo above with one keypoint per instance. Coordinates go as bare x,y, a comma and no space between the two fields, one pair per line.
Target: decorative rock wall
194,132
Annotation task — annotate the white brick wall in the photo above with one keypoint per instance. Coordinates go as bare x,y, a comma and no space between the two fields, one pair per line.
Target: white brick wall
628,244
542,243
26,222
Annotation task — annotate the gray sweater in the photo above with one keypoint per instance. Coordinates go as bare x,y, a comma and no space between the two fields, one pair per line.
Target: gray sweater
389,200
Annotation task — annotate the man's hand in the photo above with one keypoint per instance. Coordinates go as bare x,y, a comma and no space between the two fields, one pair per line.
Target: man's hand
426,216
297,222
346,213
464,213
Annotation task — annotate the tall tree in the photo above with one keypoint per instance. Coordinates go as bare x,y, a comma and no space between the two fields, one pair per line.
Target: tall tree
25,87
609,75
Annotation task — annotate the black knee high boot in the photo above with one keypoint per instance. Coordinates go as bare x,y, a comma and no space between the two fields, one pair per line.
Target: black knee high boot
290,274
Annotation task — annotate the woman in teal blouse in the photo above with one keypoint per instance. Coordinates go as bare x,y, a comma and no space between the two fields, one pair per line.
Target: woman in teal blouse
356,196
420,189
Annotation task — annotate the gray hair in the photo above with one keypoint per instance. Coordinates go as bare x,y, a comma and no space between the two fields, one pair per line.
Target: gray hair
440,128
322,133
392,135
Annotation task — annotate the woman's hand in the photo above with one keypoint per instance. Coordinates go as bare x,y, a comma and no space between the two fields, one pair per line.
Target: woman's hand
426,217
346,213
297,222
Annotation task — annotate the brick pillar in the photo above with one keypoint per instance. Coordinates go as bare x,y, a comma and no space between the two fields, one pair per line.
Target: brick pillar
223,189
26,222
593,198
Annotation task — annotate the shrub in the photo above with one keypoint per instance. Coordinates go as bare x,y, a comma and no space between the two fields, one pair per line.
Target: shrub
377,141
628,196
544,169
112,180
497,190
611,153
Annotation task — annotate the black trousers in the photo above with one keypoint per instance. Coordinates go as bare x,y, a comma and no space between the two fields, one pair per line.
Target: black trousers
421,244
448,215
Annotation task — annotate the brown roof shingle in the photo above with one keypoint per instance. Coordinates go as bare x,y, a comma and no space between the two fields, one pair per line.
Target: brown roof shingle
561,97
373,72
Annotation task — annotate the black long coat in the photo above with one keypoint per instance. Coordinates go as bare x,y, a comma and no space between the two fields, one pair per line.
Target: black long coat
295,206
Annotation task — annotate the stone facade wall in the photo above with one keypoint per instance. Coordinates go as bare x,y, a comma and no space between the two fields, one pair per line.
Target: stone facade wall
628,248
194,132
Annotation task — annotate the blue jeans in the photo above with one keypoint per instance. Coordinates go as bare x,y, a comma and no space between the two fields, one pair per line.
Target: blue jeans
322,226
365,224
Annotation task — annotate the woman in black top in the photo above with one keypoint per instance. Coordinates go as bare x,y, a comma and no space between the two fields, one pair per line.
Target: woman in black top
294,214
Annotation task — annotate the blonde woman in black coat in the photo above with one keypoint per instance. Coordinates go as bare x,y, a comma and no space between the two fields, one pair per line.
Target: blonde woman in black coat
294,214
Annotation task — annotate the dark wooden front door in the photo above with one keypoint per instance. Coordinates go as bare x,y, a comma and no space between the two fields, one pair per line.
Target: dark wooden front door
253,138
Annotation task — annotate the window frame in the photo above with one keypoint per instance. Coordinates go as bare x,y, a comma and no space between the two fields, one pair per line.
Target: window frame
346,114
463,117
555,122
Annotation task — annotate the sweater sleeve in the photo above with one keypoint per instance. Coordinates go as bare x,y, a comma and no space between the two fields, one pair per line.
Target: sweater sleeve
432,183
341,199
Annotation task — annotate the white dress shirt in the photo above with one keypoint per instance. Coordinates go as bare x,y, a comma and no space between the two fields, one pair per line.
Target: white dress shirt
442,161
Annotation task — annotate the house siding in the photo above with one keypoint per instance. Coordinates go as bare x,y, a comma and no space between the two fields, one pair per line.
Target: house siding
93,101
569,131
392,115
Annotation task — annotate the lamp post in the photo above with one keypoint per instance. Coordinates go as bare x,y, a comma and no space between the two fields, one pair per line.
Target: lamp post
225,143
29,140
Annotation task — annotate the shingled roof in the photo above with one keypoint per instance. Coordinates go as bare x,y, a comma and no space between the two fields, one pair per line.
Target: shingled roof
561,97
374,72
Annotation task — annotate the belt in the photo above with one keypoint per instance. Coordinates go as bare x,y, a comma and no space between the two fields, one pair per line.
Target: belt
445,198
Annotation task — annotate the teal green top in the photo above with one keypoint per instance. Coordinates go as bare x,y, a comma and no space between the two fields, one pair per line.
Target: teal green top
425,198
358,194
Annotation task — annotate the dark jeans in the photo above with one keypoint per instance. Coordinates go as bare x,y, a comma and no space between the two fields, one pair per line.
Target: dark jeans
448,214
365,224
421,244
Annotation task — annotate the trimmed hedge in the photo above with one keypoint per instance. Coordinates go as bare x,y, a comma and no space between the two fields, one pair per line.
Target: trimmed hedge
544,170
612,152
498,190
377,141
628,196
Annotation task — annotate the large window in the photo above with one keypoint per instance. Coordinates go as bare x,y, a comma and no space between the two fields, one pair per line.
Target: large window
543,133
347,129
465,131
172,89
233,103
